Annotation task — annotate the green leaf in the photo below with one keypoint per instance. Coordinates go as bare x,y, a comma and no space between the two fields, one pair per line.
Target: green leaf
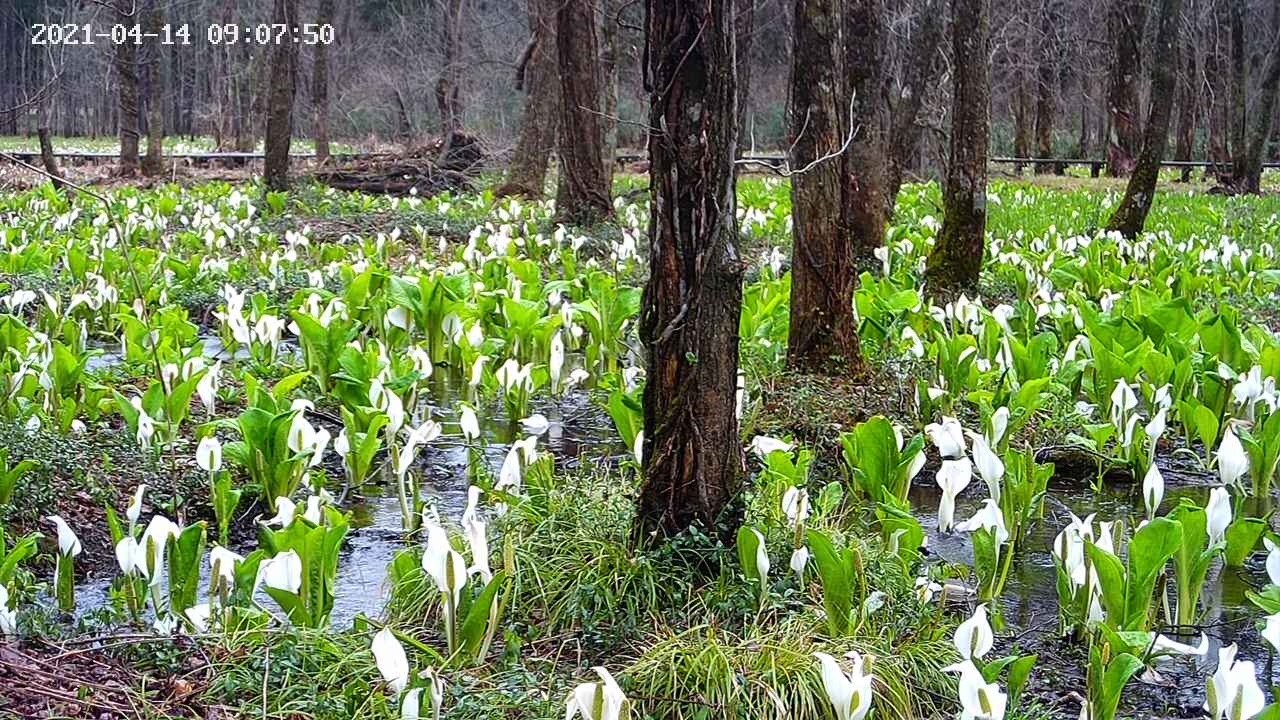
476,625
1242,537
748,546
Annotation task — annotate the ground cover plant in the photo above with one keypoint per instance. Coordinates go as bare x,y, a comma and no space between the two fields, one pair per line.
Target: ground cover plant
261,465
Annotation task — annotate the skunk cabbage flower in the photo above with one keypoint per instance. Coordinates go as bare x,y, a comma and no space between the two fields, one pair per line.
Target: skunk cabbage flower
988,518
535,424
555,364
286,509
1233,463
948,437
209,454
68,543
979,700
1233,690
999,425
445,566
282,572
763,445
1219,511
469,424
392,663
602,700
850,695
1273,561
799,559
1270,632
953,477
989,466
762,556
795,504
974,638
135,506
1152,490
8,618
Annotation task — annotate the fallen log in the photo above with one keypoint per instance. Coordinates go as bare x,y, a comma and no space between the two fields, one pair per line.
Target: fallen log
417,171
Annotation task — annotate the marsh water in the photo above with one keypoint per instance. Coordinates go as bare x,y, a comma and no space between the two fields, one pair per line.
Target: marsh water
577,429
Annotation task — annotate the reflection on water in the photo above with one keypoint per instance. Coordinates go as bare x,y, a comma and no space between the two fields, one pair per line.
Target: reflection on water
577,428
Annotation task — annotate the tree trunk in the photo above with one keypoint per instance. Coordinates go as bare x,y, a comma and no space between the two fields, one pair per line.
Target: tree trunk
47,158
1248,168
1124,23
1130,216
284,84
320,86
744,26
1021,121
926,57
693,298
1217,85
153,164
1047,87
586,184
450,75
527,174
823,335
956,258
126,64
866,210
1239,80
1188,108
609,72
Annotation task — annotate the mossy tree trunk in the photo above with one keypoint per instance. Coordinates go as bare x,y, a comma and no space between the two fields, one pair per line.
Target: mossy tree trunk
693,298
1131,214
956,259
866,163
823,335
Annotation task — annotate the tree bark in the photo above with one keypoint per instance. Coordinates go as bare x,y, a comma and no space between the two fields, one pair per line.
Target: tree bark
1217,85
1021,121
866,209
527,174
48,159
1239,80
450,75
1047,87
609,72
126,64
284,84
1131,214
744,26
926,57
956,259
320,86
692,300
1248,168
586,183
1124,23
153,163
1188,108
823,335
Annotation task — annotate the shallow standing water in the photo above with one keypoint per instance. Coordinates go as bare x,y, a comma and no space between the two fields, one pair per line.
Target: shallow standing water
578,429
1029,605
